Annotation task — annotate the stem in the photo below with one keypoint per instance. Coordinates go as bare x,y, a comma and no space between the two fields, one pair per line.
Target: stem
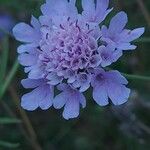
27,123
136,77
9,78
143,40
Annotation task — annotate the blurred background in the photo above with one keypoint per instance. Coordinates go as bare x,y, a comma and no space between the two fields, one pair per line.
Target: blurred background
125,127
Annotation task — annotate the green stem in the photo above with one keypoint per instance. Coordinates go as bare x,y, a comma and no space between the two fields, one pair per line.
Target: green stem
143,40
9,78
136,77
8,144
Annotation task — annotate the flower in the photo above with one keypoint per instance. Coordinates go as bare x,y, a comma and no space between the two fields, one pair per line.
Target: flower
117,35
6,24
71,99
41,96
111,85
68,51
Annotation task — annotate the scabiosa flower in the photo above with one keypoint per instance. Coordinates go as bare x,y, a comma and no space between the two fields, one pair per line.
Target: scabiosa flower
6,24
62,49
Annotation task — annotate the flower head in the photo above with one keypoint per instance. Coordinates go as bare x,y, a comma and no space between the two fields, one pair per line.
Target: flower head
62,48
6,24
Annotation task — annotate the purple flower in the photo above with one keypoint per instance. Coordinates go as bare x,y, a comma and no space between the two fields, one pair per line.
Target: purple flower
117,35
6,24
109,54
111,85
71,99
41,96
62,48
95,13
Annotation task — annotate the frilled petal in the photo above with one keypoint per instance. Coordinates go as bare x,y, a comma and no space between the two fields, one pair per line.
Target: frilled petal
102,10
36,72
30,83
109,84
71,109
88,8
60,100
25,33
116,76
118,23
57,10
40,97
95,13
100,95
35,23
109,55
118,93
31,48
27,59
54,79
45,20
71,99
126,46
116,88
134,34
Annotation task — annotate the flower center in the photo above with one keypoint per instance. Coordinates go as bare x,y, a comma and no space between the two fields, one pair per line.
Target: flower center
68,47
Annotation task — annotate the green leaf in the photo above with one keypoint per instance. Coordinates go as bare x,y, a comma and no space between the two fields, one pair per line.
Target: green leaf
8,144
9,120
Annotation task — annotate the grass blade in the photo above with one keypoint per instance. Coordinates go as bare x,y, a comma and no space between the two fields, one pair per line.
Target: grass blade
8,144
9,78
9,120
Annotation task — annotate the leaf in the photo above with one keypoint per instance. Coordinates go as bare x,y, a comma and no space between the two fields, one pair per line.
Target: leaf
8,144
9,121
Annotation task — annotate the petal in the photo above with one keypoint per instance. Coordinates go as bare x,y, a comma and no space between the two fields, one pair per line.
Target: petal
104,31
39,97
116,55
30,83
100,95
101,10
46,102
54,79
82,100
118,93
88,9
35,23
126,46
118,22
25,33
71,109
27,59
134,34
116,77
61,8
60,100
27,48
63,87
36,72
84,87
45,20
